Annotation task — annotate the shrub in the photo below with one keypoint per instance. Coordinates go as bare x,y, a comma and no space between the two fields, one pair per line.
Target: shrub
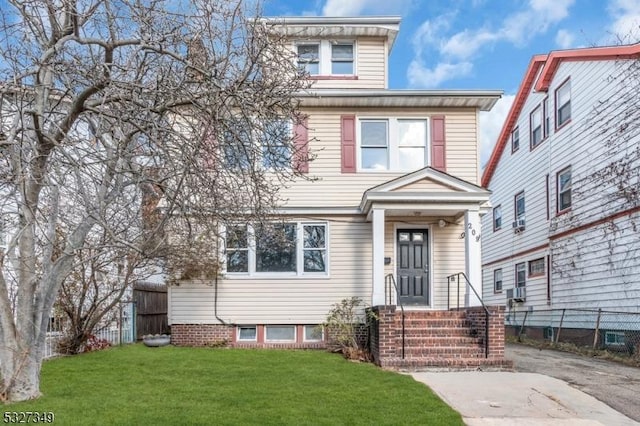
346,330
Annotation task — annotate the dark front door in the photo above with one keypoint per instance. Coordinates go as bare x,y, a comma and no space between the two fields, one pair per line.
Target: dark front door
413,266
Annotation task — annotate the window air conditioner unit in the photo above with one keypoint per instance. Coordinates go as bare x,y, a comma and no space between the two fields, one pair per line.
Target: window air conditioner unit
518,225
518,294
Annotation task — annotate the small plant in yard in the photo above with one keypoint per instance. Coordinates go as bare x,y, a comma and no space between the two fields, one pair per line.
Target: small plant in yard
96,344
345,326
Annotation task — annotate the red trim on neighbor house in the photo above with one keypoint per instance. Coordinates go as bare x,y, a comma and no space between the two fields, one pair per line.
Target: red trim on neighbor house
301,142
438,143
260,334
521,253
614,216
333,77
551,63
348,143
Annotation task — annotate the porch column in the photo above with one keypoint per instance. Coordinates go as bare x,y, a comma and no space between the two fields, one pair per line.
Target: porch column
377,296
473,256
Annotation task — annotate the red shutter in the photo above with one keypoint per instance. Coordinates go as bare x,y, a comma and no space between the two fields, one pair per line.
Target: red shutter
301,143
348,143
438,146
209,146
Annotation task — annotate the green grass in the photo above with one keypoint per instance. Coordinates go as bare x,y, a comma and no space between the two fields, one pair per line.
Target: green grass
182,386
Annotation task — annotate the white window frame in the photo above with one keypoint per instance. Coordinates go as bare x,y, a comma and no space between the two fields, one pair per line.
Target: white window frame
534,262
515,206
325,57
515,139
497,272
536,128
353,56
497,214
523,266
307,339
393,143
559,192
239,327
564,86
616,335
299,273
257,141
266,333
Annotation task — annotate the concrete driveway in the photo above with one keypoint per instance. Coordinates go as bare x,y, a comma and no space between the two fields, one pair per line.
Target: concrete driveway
614,384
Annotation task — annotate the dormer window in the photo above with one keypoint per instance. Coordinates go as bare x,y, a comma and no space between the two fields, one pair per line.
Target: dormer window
326,58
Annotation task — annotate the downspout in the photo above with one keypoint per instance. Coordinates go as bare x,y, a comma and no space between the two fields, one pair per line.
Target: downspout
215,301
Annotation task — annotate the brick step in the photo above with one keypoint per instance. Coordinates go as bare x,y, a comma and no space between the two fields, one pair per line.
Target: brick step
432,314
443,351
440,364
422,341
430,323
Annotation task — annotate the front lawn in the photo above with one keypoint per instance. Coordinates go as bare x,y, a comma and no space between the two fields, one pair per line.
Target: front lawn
180,386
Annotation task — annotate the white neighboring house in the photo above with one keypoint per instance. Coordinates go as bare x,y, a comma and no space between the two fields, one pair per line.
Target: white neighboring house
564,232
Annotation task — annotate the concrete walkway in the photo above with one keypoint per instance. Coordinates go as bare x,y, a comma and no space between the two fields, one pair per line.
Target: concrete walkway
504,398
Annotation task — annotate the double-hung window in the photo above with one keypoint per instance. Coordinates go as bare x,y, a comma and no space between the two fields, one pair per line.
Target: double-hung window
497,218
563,104
536,127
342,58
545,113
309,58
393,144
564,189
536,267
257,144
275,153
515,139
497,281
326,58
519,206
277,248
521,275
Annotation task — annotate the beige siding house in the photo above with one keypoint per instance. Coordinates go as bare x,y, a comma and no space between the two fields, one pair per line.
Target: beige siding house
395,199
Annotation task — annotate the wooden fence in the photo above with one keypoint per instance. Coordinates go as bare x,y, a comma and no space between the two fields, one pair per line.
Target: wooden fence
151,309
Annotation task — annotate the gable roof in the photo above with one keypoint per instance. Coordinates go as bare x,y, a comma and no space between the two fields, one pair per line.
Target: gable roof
549,64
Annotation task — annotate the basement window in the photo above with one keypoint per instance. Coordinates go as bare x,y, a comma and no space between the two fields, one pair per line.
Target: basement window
247,333
280,333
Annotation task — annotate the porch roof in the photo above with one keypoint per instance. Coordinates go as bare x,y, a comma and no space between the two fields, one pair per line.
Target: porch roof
451,196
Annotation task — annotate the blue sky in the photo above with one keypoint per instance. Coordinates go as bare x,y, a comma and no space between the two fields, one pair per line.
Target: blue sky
480,44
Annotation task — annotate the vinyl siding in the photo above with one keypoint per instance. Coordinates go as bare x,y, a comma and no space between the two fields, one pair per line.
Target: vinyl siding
325,170
591,268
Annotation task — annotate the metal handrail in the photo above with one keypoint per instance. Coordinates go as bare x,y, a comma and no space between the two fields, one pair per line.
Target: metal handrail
390,280
452,278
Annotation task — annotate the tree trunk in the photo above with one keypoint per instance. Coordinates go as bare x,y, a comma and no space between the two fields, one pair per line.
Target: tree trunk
21,375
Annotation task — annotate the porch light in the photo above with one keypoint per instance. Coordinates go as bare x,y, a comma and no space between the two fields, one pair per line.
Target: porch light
442,223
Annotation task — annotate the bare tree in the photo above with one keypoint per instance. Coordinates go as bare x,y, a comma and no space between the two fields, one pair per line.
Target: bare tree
101,98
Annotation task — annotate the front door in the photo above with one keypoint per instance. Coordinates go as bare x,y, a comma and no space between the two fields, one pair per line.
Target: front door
413,266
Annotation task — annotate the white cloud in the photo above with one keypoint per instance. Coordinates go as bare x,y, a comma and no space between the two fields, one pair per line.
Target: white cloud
422,76
359,7
456,52
490,126
626,20
565,39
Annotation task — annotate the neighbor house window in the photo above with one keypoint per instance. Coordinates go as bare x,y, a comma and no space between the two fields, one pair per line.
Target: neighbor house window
327,57
393,144
497,281
563,104
515,139
614,338
545,112
564,189
536,127
309,58
521,275
280,333
536,267
247,145
273,137
283,248
238,146
497,218
237,249
342,58
519,207
313,333
247,333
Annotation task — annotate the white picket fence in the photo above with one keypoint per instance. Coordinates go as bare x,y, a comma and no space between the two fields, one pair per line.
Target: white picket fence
117,334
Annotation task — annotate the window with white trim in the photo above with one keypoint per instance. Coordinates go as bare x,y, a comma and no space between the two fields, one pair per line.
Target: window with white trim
564,189
393,144
497,218
536,127
519,206
515,139
536,267
313,333
521,275
614,338
563,104
247,333
327,57
280,333
295,248
497,281
545,113
261,144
